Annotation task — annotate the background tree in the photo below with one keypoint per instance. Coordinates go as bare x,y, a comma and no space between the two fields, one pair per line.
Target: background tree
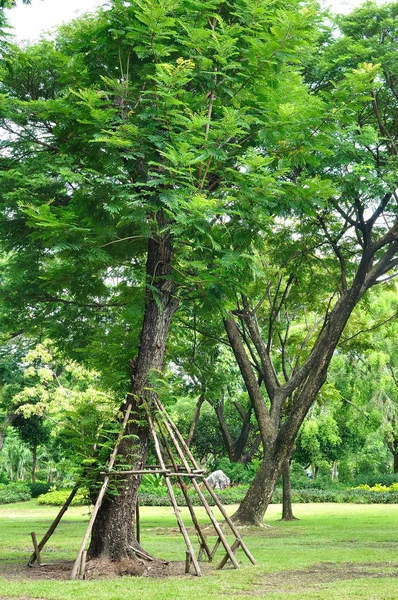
346,248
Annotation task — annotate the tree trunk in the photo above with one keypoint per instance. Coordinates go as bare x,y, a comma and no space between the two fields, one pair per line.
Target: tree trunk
252,508
113,535
195,420
287,509
395,463
34,463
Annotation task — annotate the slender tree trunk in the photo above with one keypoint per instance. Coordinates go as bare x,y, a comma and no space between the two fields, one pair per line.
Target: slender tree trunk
395,463
34,463
195,420
278,439
2,437
113,535
287,508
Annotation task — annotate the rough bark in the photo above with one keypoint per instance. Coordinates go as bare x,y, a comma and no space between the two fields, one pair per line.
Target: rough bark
195,420
235,447
113,534
252,509
287,508
300,389
34,463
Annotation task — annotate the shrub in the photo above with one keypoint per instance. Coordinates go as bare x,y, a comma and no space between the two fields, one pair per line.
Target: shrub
14,492
232,495
371,480
378,488
59,497
39,488
237,472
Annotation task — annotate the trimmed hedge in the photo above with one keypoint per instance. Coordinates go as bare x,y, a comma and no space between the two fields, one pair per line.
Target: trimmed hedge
14,492
234,495
59,497
39,488
386,479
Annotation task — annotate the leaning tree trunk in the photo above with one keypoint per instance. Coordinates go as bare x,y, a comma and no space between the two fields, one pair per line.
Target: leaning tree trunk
252,509
113,536
278,439
287,508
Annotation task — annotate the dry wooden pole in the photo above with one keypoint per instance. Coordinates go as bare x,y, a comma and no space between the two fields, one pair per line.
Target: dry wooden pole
184,489
173,499
78,561
234,549
207,485
36,549
54,524
83,564
201,496
230,523
137,523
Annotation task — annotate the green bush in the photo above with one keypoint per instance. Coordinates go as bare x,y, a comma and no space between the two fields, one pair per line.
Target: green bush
232,495
39,488
3,478
372,480
59,497
14,492
237,472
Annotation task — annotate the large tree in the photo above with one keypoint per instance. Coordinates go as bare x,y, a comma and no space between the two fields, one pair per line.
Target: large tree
132,168
316,268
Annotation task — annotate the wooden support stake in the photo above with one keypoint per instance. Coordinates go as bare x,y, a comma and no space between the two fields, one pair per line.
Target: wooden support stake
231,524
201,496
184,489
187,562
172,498
137,522
83,564
54,525
101,494
216,545
234,549
36,549
207,485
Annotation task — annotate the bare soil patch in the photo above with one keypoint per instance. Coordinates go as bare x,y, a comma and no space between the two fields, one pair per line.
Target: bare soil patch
96,569
318,575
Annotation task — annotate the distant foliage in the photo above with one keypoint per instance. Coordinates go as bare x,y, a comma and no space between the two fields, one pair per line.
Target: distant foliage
386,479
14,492
39,488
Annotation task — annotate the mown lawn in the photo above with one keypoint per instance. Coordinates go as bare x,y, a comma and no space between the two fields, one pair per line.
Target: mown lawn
335,551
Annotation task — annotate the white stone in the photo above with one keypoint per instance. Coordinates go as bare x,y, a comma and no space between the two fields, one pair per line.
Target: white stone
218,480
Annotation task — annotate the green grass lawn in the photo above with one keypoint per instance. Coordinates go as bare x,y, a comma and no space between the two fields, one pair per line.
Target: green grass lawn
335,551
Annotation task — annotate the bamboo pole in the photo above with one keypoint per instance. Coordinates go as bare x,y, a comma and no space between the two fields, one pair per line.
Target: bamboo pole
172,498
182,484
207,485
78,561
54,524
200,494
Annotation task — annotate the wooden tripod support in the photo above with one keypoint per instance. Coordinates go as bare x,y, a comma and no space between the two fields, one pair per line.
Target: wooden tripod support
169,446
